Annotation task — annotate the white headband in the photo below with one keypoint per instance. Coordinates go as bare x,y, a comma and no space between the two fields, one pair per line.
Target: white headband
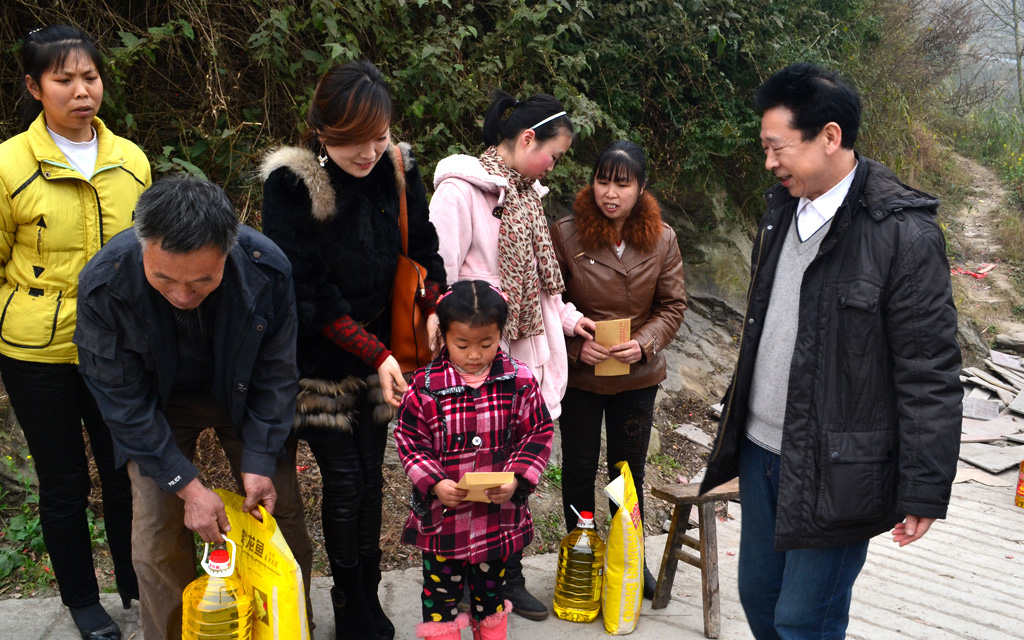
547,120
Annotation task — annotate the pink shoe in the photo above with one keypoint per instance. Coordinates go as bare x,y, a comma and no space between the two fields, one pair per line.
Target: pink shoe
494,626
443,630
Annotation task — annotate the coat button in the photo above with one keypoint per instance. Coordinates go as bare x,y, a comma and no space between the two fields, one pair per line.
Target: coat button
842,299
477,440
256,254
835,455
750,321
259,328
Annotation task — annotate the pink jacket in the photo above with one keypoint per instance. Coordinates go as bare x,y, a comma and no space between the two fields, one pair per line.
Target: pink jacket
465,195
445,429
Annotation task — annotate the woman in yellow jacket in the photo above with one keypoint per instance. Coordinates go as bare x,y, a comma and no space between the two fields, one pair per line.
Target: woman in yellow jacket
67,185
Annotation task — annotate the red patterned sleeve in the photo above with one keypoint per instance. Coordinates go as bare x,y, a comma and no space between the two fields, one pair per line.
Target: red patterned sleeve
428,303
347,334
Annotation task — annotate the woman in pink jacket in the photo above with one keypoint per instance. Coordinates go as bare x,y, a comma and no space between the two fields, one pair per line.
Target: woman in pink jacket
491,226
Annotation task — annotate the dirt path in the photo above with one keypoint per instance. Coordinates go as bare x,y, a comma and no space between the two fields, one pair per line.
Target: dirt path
994,302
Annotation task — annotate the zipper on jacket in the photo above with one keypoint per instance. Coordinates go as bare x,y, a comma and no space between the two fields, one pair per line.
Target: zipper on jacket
743,329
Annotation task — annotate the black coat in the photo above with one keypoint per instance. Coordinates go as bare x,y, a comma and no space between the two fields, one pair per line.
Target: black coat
873,411
128,354
341,235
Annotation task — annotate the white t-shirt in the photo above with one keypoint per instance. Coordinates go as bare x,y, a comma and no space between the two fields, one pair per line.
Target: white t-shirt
81,155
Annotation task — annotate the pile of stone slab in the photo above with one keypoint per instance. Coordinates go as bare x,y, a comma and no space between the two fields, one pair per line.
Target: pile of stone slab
993,423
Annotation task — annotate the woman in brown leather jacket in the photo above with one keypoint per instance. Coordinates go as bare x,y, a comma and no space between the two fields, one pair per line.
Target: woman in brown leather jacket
619,260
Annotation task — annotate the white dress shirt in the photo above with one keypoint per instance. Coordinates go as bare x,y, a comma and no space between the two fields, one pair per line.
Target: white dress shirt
812,214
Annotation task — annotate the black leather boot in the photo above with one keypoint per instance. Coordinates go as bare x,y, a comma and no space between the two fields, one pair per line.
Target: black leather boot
370,566
352,619
522,600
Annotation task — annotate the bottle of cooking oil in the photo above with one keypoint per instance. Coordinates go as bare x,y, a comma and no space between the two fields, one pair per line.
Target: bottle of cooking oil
1019,500
580,572
216,606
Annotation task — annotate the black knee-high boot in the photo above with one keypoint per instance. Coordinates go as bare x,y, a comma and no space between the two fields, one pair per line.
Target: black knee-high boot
352,619
370,567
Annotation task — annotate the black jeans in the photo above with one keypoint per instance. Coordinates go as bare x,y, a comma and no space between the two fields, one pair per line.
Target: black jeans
52,403
628,417
351,467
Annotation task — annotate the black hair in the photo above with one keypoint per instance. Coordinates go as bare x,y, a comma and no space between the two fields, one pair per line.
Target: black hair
351,105
186,214
49,48
472,302
816,97
525,115
621,161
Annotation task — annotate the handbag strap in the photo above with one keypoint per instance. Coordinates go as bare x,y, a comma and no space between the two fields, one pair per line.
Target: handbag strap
403,208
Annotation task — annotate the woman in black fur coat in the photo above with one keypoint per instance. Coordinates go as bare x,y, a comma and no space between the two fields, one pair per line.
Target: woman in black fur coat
332,205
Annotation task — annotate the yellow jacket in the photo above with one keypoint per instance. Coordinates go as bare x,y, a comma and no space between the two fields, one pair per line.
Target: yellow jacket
52,221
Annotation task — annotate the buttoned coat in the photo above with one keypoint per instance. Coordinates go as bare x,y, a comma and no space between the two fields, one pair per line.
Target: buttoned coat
446,429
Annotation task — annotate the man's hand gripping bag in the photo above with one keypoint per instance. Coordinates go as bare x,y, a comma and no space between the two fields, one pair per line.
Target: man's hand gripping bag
624,563
269,572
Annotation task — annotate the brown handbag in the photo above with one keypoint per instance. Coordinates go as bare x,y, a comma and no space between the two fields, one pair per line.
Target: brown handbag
410,343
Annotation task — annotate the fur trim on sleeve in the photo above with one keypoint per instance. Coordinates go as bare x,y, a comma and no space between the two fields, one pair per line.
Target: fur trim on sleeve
302,162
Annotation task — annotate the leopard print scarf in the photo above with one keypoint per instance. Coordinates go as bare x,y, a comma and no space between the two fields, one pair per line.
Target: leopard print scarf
526,259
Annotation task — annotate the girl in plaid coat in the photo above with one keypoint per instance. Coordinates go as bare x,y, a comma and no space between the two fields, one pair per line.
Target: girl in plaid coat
472,409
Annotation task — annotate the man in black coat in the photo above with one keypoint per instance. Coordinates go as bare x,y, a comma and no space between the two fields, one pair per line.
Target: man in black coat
851,305
185,322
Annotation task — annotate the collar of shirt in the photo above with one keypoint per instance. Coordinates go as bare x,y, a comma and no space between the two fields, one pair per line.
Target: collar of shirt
812,214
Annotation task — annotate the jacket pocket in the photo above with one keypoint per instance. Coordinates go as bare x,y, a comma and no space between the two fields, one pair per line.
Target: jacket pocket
512,515
429,513
29,317
857,477
857,311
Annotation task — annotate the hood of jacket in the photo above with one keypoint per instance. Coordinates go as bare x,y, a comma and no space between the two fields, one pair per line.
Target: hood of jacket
468,168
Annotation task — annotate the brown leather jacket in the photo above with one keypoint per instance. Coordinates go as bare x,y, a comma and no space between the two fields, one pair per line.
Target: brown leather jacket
645,285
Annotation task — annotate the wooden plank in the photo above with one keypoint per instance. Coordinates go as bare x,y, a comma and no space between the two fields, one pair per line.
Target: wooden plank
1005,396
990,457
1007,360
687,493
1012,377
709,570
989,378
980,409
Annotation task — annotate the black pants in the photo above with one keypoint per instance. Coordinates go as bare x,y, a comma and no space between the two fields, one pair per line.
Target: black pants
52,403
628,417
351,467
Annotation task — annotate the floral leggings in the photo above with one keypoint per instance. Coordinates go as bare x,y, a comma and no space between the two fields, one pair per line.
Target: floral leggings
443,587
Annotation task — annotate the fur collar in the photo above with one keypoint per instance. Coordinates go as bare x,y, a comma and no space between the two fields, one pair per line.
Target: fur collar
641,230
303,163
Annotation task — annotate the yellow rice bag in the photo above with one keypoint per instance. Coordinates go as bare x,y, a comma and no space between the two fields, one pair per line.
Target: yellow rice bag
624,563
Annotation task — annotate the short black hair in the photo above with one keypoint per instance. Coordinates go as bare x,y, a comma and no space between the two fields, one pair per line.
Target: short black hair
186,214
621,161
816,97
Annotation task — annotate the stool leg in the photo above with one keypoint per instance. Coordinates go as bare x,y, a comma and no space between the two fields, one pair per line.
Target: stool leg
709,568
667,574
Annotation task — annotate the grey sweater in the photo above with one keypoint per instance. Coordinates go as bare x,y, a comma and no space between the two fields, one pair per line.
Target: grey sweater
769,386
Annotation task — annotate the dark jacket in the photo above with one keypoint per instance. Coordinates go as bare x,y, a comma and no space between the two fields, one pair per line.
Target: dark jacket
128,354
645,285
341,235
873,412
446,429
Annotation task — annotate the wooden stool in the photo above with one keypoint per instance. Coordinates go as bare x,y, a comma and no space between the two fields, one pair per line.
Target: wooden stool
684,496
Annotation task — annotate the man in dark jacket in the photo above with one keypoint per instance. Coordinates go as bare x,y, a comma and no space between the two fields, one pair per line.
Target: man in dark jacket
851,305
186,322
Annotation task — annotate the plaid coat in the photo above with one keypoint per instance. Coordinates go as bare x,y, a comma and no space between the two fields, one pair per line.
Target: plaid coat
445,429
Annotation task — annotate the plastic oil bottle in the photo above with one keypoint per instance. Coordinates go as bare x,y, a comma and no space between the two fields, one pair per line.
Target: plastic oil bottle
580,572
216,606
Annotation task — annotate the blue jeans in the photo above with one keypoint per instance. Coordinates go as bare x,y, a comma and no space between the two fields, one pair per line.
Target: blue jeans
788,595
